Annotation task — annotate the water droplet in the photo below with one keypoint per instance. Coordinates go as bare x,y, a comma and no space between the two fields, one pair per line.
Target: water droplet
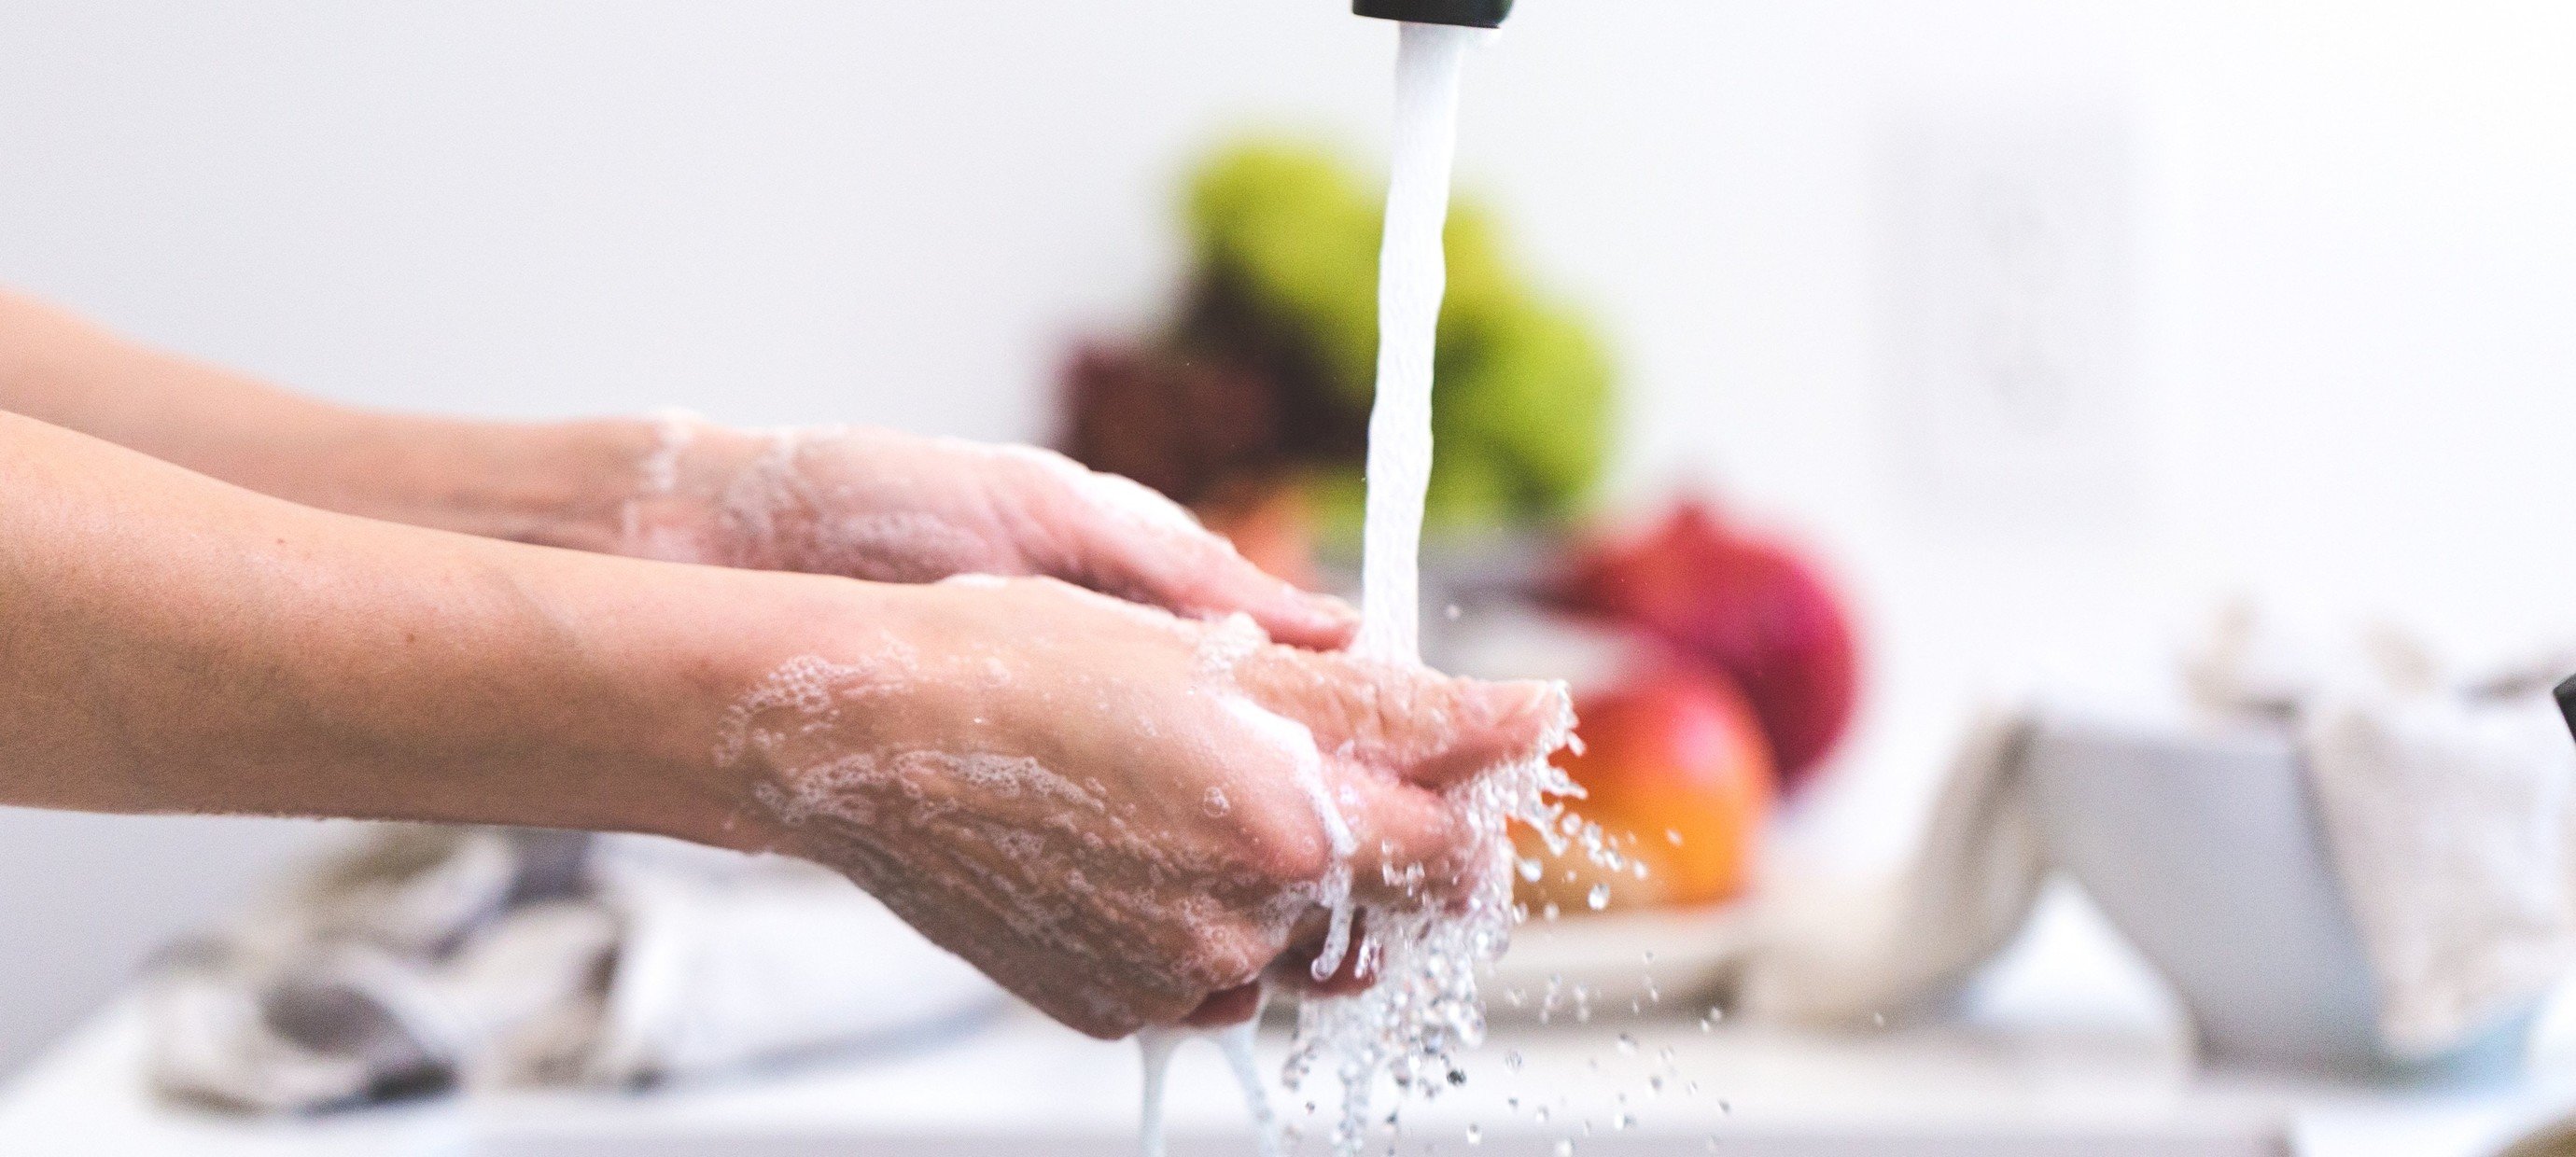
1452,611
1623,1121
1878,1019
1655,1084
1647,959
1564,1149
1513,1060
1215,804
1531,869
1550,911
1627,1045
1475,1135
1539,1114
1598,898
1673,836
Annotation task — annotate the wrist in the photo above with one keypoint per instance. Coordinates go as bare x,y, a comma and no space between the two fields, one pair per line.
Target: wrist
744,666
815,673
565,484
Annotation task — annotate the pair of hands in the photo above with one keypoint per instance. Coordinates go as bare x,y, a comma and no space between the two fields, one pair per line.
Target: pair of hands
1124,772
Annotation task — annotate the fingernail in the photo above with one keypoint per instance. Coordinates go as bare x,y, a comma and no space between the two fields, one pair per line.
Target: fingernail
1327,614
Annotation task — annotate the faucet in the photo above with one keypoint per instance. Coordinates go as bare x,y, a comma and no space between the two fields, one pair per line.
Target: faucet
1465,13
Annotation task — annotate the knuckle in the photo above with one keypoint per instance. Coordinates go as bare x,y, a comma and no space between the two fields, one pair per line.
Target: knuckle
1094,1016
1287,848
1226,957
1163,1008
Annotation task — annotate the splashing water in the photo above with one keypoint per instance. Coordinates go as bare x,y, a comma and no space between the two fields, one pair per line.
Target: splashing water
1158,1045
1406,1030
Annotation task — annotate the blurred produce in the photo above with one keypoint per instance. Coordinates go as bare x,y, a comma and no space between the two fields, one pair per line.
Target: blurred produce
1679,777
1250,404
1744,605
1273,526
1265,375
1188,427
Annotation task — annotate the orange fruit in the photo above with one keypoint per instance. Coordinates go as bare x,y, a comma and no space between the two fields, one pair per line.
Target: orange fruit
1677,773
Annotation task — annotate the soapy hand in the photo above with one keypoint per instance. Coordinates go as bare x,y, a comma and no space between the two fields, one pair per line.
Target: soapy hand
1122,816
891,507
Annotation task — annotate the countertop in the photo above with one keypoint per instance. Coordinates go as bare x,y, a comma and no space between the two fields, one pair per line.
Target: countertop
2062,1051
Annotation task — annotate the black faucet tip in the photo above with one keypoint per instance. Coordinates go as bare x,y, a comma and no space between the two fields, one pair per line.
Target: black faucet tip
1464,13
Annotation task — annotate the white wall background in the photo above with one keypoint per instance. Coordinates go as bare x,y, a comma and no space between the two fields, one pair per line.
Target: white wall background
2347,378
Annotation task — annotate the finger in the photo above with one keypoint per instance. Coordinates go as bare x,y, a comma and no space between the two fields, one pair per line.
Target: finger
1222,582
1129,541
1425,728
1411,849
1232,1006
1201,575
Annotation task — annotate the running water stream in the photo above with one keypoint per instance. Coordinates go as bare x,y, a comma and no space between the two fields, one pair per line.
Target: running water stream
1413,276
1408,1028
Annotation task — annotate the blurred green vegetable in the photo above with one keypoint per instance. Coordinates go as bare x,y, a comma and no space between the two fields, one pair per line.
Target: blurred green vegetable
1269,369
1522,407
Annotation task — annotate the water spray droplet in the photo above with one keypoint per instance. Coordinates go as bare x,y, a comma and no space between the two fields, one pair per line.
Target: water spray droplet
1598,898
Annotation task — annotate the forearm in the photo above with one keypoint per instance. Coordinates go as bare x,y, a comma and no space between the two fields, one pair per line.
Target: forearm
557,483
168,643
